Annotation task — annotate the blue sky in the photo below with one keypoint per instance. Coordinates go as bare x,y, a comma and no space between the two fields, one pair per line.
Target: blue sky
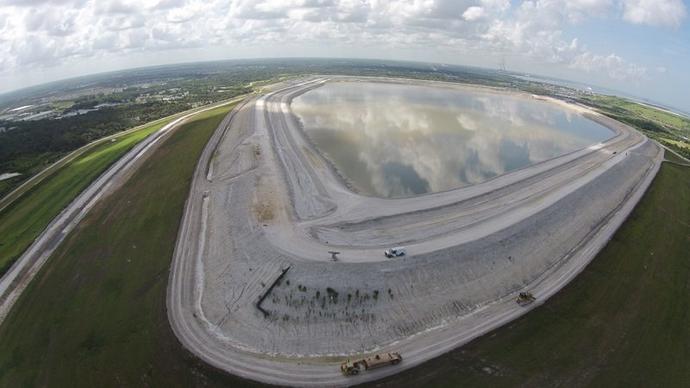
664,52
641,47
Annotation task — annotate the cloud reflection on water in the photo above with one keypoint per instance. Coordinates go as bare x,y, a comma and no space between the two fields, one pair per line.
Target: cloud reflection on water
397,140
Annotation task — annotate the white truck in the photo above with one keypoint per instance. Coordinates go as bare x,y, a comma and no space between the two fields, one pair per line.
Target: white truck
395,252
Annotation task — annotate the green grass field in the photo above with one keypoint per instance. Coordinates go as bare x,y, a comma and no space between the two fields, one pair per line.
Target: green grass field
671,157
95,315
670,129
624,322
28,167
644,112
27,217
9,184
675,143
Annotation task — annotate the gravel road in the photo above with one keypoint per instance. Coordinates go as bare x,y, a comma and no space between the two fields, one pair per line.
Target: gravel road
263,200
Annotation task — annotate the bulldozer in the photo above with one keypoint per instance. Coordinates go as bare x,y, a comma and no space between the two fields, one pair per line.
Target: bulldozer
351,368
525,298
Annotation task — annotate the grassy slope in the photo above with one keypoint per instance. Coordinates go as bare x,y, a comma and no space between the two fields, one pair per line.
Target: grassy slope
675,143
671,157
26,218
28,167
645,112
625,321
44,164
658,115
665,127
95,315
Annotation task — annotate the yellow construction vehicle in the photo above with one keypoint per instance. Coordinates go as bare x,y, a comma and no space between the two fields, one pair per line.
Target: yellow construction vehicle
525,298
351,368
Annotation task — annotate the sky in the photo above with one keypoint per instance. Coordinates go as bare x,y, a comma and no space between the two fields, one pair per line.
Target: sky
640,47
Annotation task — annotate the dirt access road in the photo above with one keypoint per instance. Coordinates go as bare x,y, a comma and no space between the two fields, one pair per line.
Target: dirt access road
264,201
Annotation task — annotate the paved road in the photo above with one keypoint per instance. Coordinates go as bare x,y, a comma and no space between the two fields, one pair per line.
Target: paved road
314,196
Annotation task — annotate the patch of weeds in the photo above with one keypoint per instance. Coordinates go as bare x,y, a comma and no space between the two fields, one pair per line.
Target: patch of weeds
332,295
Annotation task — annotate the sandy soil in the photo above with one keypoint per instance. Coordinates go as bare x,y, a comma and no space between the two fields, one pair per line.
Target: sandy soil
264,200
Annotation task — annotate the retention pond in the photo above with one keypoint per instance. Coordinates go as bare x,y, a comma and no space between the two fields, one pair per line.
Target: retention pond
397,140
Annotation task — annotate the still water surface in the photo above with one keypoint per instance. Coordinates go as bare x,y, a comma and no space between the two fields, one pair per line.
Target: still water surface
395,140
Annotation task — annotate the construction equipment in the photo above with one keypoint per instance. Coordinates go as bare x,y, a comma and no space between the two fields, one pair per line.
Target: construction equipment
525,298
351,368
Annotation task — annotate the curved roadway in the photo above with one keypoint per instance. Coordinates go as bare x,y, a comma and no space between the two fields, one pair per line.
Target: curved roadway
263,199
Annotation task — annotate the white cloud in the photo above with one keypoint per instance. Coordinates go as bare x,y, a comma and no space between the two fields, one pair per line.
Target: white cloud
668,13
473,13
615,66
581,10
536,31
39,33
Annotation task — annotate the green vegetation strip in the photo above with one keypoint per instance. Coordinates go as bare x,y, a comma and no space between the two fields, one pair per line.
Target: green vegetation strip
28,167
671,157
95,315
41,166
625,321
28,216
669,129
